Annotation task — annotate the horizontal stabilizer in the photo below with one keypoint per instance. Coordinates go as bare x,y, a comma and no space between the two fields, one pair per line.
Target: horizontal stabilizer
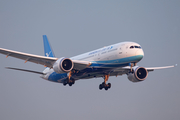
25,70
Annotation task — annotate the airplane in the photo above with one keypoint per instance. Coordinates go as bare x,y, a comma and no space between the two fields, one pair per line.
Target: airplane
112,60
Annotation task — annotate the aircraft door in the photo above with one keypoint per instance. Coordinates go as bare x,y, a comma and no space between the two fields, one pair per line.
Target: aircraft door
121,52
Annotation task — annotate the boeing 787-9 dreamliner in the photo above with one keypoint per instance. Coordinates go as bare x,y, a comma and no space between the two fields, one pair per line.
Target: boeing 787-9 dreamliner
113,60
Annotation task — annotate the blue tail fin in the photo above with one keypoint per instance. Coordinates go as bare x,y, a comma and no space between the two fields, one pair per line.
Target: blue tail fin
47,47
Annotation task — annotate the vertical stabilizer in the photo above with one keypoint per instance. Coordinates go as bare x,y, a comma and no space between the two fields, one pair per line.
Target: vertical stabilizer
47,47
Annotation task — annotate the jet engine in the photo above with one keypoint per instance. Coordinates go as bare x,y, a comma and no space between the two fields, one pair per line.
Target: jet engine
138,74
63,65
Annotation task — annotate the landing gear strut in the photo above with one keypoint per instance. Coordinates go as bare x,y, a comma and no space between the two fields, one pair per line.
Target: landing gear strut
132,65
104,85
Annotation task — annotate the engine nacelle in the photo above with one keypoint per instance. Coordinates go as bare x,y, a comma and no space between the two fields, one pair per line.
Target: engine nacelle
63,65
138,74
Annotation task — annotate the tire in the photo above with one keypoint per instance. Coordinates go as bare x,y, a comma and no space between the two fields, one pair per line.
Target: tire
109,85
64,83
73,81
100,87
106,88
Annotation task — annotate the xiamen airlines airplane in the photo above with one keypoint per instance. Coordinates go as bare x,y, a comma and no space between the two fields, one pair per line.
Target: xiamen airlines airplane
113,60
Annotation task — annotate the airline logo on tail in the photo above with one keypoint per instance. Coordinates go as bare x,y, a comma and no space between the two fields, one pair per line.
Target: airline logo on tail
48,52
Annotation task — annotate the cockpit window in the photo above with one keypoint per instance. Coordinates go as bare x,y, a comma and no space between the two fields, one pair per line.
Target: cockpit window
135,47
131,47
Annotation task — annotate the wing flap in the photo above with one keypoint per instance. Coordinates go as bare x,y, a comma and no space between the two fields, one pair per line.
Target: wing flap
46,61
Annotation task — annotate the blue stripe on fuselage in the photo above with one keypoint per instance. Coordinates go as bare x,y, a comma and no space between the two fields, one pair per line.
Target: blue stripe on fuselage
116,62
56,76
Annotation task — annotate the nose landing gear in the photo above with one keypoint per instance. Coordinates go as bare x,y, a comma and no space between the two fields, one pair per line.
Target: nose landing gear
132,65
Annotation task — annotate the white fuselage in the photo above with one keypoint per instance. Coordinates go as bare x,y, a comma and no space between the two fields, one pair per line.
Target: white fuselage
112,52
111,56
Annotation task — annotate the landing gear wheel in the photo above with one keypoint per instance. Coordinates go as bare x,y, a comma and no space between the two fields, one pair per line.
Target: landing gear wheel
106,88
73,81
109,85
65,83
70,84
100,86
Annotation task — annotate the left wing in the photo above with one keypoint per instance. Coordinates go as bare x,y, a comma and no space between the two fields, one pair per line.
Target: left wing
156,68
126,70
46,61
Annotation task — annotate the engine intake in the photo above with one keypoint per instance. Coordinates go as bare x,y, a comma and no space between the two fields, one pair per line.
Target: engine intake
63,65
138,74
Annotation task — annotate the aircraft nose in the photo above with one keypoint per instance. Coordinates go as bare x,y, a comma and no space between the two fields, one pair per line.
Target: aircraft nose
140,52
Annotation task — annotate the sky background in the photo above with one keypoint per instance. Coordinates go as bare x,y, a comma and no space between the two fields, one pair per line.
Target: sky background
75,27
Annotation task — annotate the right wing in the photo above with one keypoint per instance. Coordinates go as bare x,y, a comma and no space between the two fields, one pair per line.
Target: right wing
46,61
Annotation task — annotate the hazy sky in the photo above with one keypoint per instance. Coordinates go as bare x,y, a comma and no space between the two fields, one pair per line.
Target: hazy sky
75,27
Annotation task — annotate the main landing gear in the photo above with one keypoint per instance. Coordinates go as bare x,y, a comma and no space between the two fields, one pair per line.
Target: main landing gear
104,85
69,81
